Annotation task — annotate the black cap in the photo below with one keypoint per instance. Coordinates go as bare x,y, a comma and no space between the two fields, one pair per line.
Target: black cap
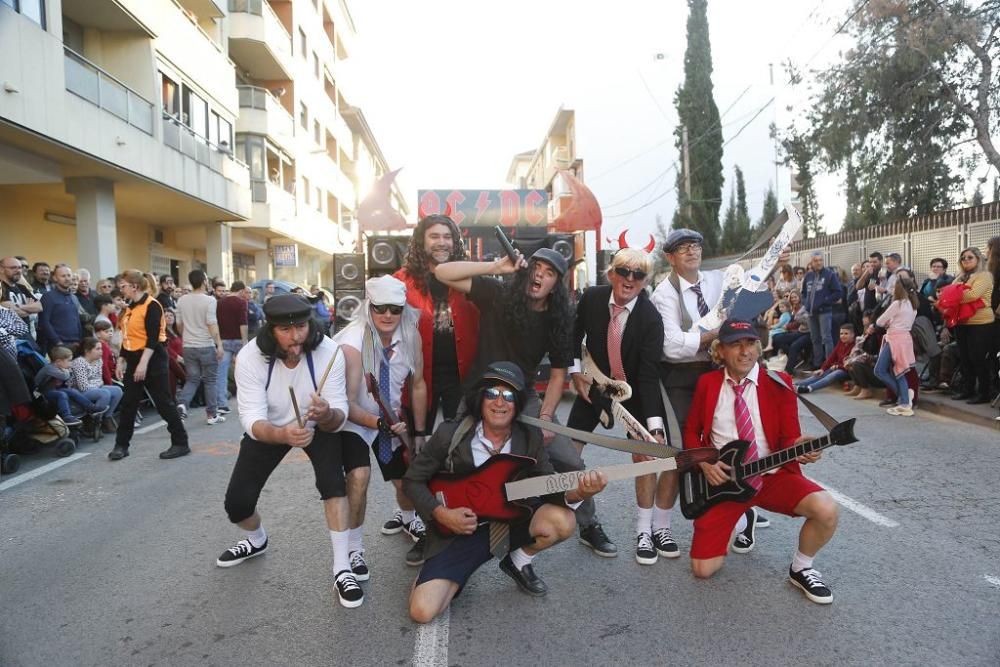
503,371
552,257
287,309
678,236
734,330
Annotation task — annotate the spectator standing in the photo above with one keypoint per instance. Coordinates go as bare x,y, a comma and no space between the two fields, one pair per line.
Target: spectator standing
800,275
219,289
234,331
104,308
41,273
268,290
84,294
255,315
198,324
166,294
59,322
796,335
896,356
175,354
974,334
785,282
993,266
820,291
936,279
870,282
103,332
892,263
14,294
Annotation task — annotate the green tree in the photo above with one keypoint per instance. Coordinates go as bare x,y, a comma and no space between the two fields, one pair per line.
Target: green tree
728,242
977,196
769,212
799,155
741,235
697,111
996,189
852,218
660,263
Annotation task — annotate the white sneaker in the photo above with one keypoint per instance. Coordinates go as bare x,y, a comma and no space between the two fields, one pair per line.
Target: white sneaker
217,419
901,411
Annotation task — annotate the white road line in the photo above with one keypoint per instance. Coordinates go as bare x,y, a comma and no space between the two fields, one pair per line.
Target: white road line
38,472
431,647
858,508
151,427
992,580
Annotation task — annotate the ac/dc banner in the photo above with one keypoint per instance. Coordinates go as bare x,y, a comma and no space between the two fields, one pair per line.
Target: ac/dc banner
486,208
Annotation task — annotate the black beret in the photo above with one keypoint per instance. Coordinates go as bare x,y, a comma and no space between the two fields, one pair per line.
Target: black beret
287,309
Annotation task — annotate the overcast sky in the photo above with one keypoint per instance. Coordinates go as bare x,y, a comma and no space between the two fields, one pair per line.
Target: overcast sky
453,89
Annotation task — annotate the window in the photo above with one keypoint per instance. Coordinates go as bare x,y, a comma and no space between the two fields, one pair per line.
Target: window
303,116
303,44
317,132
225,132
306,190
171,94
319,200
32,9
195,113
316,66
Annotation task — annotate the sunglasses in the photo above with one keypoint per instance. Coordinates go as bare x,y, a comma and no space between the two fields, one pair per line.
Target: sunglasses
625,273
968,257
492,393
381,308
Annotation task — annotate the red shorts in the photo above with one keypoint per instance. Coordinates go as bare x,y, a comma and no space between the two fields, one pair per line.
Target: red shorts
781,492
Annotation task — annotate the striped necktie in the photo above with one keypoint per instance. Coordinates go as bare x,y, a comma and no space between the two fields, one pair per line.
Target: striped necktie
615,342
499,532
744,428
384,439
702,306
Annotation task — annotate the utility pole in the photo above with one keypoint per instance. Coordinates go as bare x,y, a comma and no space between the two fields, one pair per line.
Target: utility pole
687,171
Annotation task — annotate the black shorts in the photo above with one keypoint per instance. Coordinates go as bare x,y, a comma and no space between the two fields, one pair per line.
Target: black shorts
395,468
355,451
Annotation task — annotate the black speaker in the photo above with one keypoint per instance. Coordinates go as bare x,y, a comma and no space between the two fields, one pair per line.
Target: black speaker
564,244
345,306
604,258
386,253
348,271
529,239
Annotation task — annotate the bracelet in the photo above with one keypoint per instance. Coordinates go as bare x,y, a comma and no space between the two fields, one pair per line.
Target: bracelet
420,433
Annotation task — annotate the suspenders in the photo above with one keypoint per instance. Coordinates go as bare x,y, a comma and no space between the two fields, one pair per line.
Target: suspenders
309,361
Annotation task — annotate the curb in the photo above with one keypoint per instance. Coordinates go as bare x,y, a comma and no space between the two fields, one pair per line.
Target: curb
945,407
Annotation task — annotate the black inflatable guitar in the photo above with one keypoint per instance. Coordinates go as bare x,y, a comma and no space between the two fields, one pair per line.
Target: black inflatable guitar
697,495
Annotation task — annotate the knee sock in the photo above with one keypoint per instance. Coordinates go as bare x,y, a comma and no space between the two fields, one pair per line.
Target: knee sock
801,562
519,558
354,541
341,550
643,519
408,515
661,518
257,537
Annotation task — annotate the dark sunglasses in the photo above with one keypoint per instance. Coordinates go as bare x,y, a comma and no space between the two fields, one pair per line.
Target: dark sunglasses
381,308
492,393
625,273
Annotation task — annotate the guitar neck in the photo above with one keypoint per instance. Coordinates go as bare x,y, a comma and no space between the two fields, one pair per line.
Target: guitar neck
630,422
781,457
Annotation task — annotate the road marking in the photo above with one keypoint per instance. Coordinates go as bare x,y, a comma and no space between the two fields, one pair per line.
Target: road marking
151,427
431,648
858,508
992,580
38,472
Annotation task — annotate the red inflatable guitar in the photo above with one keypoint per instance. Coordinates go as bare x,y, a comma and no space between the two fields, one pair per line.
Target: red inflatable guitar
482,489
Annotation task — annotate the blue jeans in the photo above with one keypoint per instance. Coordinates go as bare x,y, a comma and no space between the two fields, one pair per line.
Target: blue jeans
821,331
825,380
230,349
883,371
106,398
62,398
202,367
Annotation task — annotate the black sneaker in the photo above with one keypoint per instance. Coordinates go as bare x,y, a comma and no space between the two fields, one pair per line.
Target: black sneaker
243,550
598,541
393,525
809,582
72,421
118,453
415,556
745,538
175,451
415,529
223,409
359,567
348,591
645,552
525,578
663,541
762,520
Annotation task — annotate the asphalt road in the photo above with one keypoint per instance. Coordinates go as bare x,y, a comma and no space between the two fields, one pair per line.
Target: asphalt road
114,564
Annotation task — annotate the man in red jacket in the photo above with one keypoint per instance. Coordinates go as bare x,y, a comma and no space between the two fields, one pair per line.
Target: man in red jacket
739,401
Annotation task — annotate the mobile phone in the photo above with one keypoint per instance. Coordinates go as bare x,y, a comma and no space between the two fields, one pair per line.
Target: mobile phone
505,244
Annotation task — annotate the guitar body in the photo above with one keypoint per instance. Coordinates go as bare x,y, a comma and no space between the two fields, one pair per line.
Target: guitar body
482,490
697,495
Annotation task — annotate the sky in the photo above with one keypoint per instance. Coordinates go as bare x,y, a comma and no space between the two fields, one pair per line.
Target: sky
453,89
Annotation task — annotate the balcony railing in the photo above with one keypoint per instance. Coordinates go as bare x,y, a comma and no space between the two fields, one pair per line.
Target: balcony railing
263,9
182,138
87,80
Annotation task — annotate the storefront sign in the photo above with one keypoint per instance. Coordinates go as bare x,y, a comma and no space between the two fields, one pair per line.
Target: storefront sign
286,255
487,208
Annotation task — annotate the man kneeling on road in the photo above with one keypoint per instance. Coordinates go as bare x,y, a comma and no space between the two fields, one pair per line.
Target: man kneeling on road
459,448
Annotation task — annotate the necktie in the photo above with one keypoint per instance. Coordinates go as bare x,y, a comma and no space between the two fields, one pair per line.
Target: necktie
615,342
499,532
744,428
702,306
384,439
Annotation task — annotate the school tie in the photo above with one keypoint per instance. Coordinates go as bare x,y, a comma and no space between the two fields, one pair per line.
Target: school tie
499,532
744,428
384,439
615,342
702,306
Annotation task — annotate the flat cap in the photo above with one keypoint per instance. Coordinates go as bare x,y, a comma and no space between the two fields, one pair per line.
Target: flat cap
678,236
552,257
503,371
287,309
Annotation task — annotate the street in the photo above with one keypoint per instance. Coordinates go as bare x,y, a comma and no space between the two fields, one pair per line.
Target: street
114,564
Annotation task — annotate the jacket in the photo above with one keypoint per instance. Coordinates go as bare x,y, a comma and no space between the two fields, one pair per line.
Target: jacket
820,291
59,321
837,357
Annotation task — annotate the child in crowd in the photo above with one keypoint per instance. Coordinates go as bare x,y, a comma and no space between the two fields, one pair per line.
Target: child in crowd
87,377
784,317
104,332
51,381
834,369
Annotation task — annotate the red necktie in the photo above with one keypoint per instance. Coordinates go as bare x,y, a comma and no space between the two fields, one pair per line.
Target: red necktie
615,342
744,428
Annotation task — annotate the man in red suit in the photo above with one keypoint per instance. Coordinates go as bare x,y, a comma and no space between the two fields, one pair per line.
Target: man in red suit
739,401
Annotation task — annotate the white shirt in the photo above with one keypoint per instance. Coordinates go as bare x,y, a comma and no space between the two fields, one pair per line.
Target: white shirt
195,312
274,405
399,371
724,422
679,345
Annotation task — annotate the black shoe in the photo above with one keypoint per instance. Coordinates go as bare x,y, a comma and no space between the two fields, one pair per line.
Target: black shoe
962,396
72,421
118,453
803,389
886,403
348,591
809,582
762,520
745,538
525,578
665,545
223,409
393,525
645,552
244,550
415,529
978,400
595,538
175,451
415,556
359,567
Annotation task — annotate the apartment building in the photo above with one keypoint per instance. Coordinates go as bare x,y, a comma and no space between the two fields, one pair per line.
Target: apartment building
173,134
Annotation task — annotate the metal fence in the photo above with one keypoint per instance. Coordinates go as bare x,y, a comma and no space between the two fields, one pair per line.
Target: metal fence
87,80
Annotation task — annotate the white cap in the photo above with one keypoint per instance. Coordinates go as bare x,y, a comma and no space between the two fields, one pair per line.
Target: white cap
386,290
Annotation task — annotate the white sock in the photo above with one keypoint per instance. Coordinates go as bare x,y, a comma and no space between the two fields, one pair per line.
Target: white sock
257,537
643,519
408,515
519,558
801,562
741,524
661,518
341,550
354,544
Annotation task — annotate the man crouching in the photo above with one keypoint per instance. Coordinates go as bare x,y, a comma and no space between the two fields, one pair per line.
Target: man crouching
460,447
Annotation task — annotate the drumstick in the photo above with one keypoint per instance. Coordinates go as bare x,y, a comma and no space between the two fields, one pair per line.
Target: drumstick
326,373
295,405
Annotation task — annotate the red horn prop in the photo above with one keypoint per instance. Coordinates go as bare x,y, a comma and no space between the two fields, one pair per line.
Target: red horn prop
651,245
622,243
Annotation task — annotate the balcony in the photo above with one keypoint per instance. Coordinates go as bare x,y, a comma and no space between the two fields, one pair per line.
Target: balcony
261,113
87,80
205,9
219,159
258,42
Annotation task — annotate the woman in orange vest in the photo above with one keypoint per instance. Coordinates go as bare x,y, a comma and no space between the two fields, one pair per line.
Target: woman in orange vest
142,365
